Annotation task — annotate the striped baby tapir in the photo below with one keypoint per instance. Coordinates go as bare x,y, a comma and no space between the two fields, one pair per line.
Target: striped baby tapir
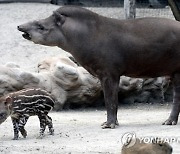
22,104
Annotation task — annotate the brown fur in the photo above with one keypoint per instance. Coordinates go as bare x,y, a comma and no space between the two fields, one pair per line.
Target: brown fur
147,148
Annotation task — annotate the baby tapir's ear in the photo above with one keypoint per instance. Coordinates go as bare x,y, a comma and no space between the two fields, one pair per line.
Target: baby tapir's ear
8,101
60,19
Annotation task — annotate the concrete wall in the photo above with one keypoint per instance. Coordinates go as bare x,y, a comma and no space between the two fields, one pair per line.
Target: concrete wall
44,1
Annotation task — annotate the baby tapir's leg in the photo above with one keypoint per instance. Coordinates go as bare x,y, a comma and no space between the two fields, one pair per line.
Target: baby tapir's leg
42,119
50,125
18,125
15,128
22,122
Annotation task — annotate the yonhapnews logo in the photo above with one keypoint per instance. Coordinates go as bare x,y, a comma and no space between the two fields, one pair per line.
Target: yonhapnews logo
129,139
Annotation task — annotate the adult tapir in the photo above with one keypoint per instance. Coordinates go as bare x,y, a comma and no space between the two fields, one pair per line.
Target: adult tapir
109,48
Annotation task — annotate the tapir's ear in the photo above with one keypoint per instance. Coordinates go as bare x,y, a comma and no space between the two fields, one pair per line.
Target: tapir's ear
8,101
60,19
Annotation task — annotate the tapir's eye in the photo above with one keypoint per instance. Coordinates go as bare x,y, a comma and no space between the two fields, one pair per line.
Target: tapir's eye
40,27
5,103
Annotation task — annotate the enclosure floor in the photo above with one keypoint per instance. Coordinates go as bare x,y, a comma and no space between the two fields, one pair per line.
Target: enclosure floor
79,132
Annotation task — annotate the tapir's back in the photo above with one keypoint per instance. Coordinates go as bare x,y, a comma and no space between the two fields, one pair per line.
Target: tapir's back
32,101
147,46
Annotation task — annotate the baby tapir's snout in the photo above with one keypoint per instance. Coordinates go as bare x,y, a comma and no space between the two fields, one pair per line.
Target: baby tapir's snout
5,109
3,116
22,104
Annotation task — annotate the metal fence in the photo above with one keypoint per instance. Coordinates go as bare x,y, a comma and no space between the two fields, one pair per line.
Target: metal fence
144,8
157,3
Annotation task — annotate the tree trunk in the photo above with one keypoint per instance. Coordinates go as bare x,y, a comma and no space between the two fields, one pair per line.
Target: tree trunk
175,9
129,9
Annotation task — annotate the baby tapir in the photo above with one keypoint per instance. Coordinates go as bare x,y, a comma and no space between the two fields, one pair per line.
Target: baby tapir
22,104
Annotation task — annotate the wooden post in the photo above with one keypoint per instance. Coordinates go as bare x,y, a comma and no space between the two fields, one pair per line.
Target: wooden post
175,9
54,2
129,9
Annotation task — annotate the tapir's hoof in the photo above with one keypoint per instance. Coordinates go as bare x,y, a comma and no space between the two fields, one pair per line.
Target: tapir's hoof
51,132
170,122
109,125
40,136
15,138
24,133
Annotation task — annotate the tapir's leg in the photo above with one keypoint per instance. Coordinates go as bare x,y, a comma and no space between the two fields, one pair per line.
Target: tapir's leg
110,87
50,125
42,119
22,122
15,128
173,118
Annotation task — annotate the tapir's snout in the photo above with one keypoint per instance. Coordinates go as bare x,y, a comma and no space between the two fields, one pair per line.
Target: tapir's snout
19,28
3,117
26,35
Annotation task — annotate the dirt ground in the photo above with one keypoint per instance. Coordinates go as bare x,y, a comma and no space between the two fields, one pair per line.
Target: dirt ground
78,132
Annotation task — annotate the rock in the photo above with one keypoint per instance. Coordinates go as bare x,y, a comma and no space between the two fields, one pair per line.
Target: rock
81,87
130,84
60,76
12,65
152,90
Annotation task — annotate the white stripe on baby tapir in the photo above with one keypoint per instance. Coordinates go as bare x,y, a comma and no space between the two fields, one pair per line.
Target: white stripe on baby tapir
40,105
16,107
26,115
18,100
25,109
31,96
31,103
48,105
24,90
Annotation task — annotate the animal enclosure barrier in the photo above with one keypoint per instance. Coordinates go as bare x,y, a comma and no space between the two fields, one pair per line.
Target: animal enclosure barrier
152,8
8,1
